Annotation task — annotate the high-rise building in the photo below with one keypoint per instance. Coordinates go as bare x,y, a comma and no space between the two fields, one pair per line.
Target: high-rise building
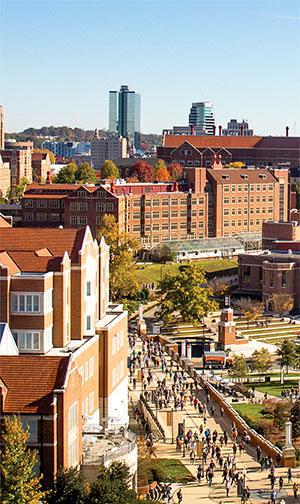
1,127
113,111
124,114
235,128
201,117
107,148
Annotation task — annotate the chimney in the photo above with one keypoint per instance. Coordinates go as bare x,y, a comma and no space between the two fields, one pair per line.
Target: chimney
49,178
112,186
220,130
192,129
287,131
214,130
242,130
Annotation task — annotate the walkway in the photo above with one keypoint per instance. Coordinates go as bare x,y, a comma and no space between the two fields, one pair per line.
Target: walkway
193,493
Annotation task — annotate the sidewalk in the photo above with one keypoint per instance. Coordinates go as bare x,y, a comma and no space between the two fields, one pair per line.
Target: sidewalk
193,493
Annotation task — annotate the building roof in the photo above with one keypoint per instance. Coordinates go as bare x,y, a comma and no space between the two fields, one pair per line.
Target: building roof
203,141
31,380
233,142
23,246
240,176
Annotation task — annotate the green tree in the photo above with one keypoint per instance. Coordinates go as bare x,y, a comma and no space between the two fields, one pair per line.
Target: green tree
112,486
109,170
186,294
66,175
261,361
85,174
281,413
19,483
295,418
16,192
123,281
287,353
70,487
239,367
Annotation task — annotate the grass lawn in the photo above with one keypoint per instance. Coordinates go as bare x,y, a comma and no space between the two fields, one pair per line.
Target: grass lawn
274,389
162,470
156,271
252,411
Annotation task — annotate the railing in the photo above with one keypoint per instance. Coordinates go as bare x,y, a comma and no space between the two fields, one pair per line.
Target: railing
153,417
114,452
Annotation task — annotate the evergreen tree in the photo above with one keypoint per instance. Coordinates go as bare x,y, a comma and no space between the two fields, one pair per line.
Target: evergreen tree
112,486
70,487
19,483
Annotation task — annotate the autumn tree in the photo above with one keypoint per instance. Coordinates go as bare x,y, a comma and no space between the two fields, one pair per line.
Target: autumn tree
239,367
161,173
16,192
250,309
109,170
66,175
123,281
235,164
287,354
69,487
219,285
295,417
281,303
175,170
261,361
186,294
85,174
19,483
143,171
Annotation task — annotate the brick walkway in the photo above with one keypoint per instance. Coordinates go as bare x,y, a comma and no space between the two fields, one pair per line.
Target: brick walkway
193,493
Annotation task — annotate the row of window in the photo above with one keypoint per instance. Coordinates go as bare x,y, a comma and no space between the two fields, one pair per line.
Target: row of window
239,211
245,187
26,303
258,199
87,370
117,373
43,203
251,222
167,214
117,341
33,340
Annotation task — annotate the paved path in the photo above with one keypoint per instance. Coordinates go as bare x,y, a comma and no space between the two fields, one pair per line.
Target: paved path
194,493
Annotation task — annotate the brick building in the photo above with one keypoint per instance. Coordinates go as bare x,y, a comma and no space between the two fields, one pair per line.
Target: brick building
4,178
211,202
20,164
276,270
193,150
70,342
41,165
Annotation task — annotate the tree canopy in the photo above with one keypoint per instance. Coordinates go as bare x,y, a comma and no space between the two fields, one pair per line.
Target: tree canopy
239,367
186,294
287,353
69,487
71,173
109,170
143,171
250,309
281,303
261,361
85,174
175,170
19,483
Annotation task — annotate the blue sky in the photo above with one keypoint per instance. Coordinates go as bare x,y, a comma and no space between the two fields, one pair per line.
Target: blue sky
60,58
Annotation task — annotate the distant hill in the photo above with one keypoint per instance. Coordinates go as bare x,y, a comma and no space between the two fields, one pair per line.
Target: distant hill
65,133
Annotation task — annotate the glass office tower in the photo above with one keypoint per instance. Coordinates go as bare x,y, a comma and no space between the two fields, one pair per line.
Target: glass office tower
202,118
125,106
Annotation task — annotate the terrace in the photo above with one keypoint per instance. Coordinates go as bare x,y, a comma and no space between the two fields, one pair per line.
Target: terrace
274,332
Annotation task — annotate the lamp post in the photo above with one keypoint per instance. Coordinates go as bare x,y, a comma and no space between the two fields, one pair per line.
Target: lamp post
183,448
172,424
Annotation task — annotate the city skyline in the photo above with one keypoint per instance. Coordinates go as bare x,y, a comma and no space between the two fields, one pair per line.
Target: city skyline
169,68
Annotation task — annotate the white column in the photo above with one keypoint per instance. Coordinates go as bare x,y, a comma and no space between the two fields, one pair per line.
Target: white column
189,351
183,349
288,434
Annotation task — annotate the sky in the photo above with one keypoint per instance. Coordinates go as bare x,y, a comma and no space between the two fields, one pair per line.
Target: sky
59,59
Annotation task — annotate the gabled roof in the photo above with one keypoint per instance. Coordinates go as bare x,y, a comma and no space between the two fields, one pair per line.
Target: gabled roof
31,380
237,176
21,247
7,343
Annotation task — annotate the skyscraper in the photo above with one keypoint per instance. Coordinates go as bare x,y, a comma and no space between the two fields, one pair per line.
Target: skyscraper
1,127
202,118
124,114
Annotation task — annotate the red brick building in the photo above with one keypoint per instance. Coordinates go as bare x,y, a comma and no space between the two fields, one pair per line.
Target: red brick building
67,367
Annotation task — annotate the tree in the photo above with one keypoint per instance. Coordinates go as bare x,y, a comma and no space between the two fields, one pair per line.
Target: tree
175,170
186,294
112,486
66,175
287,353
239,367
19,483
219,285
281,413
161,173
69,487
123,281
295,417
85,174
235,164
281,303
109,170
250,309
143,171
261,361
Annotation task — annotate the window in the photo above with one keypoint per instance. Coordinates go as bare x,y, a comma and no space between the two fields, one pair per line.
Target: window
136,228
226,211
226,188
26,303
27,340
41,217
41,203
73,434
174,225
28,204
246,274
91,402
174,202
201,213
31,423
165,215
88,323
226,200
165,226
174,213
182,225
165,202
155,215
183,213
28,216
155,202
283,279
88,288
136,215
155,227
91,366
